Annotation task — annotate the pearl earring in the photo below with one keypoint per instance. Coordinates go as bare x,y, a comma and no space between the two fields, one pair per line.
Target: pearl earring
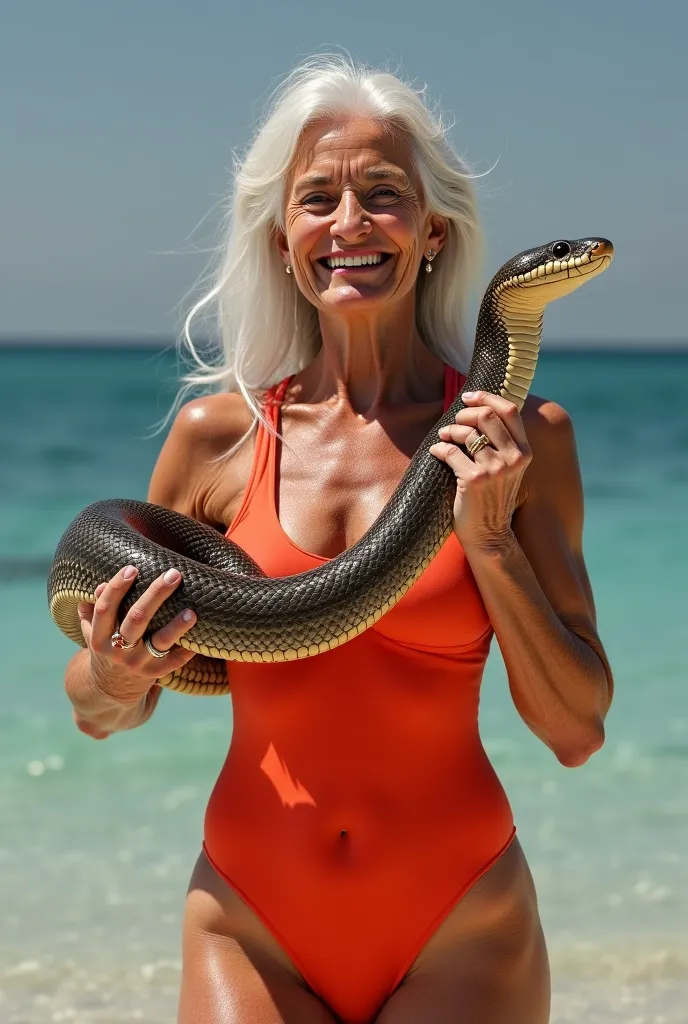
430,255
288,268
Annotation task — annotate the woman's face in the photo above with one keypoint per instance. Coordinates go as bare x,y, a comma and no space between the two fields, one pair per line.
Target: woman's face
354,193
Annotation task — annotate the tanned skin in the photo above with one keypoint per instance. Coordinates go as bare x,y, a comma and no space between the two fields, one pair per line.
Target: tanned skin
351,422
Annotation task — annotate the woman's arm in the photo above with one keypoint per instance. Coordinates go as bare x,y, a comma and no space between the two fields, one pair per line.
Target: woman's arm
94,712
112,690
519,517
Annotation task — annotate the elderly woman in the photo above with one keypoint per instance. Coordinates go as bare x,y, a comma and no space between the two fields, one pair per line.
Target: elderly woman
359,861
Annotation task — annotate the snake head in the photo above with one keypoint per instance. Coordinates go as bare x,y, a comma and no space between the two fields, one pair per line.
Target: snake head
510,319
555,269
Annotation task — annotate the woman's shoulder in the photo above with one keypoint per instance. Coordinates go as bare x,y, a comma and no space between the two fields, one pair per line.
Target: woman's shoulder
546,422
554,469
213,422
198,451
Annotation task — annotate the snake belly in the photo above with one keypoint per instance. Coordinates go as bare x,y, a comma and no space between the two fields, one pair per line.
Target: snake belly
243,615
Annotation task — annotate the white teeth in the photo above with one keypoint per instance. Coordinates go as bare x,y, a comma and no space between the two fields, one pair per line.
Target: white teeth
353,261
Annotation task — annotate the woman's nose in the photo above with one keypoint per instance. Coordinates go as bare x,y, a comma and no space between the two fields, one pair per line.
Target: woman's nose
351,221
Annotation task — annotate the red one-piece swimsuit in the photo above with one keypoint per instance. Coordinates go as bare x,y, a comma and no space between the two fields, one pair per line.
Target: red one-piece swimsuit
357,805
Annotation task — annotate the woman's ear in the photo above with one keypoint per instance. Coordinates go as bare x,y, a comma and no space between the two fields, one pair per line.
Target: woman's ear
282,245
437,233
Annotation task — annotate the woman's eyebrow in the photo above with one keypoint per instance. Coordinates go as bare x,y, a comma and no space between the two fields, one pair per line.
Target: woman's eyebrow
313,180
383,173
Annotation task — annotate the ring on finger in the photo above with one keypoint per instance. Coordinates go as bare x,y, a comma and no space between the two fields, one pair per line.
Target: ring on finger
477,445
122,644
154,650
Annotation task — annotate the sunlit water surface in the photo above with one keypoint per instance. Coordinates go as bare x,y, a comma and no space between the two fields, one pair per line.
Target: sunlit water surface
97,839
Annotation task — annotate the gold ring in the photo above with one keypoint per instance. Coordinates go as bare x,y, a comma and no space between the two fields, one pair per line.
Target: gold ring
118,641
478,444
154,650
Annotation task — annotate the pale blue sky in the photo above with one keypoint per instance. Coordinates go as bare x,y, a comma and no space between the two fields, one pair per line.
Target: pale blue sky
118,120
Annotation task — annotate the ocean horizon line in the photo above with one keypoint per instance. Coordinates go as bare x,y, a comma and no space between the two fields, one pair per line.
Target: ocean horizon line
660,346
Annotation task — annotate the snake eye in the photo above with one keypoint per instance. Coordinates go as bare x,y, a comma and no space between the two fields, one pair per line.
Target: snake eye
560,250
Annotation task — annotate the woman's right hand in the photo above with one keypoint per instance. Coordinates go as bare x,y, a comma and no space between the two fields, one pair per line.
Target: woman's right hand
126,675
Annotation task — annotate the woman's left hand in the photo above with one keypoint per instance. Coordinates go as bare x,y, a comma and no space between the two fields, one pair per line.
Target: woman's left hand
487,486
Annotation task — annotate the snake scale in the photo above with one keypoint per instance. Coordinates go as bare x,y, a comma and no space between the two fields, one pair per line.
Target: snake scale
244,615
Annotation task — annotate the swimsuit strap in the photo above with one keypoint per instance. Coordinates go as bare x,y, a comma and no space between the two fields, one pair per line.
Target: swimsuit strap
453,382
264,448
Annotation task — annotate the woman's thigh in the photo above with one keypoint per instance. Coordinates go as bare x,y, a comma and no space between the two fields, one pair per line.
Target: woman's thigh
233,971
487,963
225,983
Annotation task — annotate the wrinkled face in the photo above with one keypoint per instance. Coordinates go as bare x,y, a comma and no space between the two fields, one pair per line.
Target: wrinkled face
357,224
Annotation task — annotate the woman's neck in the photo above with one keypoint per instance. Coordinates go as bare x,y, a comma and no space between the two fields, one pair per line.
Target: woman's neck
373,360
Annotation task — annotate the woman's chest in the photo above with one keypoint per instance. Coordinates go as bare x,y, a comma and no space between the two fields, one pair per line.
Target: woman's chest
442,612
317,496
331,484
325,503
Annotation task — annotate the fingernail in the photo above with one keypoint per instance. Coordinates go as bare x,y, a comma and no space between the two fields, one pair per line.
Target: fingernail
171,576
443,431
469,394
128,572
187,615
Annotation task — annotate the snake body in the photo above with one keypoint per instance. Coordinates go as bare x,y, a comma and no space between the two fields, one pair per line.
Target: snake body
244,615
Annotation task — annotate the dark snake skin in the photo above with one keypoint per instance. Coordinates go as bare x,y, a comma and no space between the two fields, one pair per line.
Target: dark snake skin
244,615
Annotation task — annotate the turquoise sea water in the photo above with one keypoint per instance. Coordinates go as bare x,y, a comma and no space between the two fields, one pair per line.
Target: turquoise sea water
97,839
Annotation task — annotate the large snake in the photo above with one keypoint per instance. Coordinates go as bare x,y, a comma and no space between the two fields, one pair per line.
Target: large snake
244,615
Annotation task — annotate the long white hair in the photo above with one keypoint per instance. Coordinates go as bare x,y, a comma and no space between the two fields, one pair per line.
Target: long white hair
267,328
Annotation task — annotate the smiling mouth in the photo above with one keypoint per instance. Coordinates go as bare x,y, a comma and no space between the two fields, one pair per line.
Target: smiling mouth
345,263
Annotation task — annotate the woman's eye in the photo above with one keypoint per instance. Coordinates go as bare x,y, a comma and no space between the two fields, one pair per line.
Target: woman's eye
384,193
